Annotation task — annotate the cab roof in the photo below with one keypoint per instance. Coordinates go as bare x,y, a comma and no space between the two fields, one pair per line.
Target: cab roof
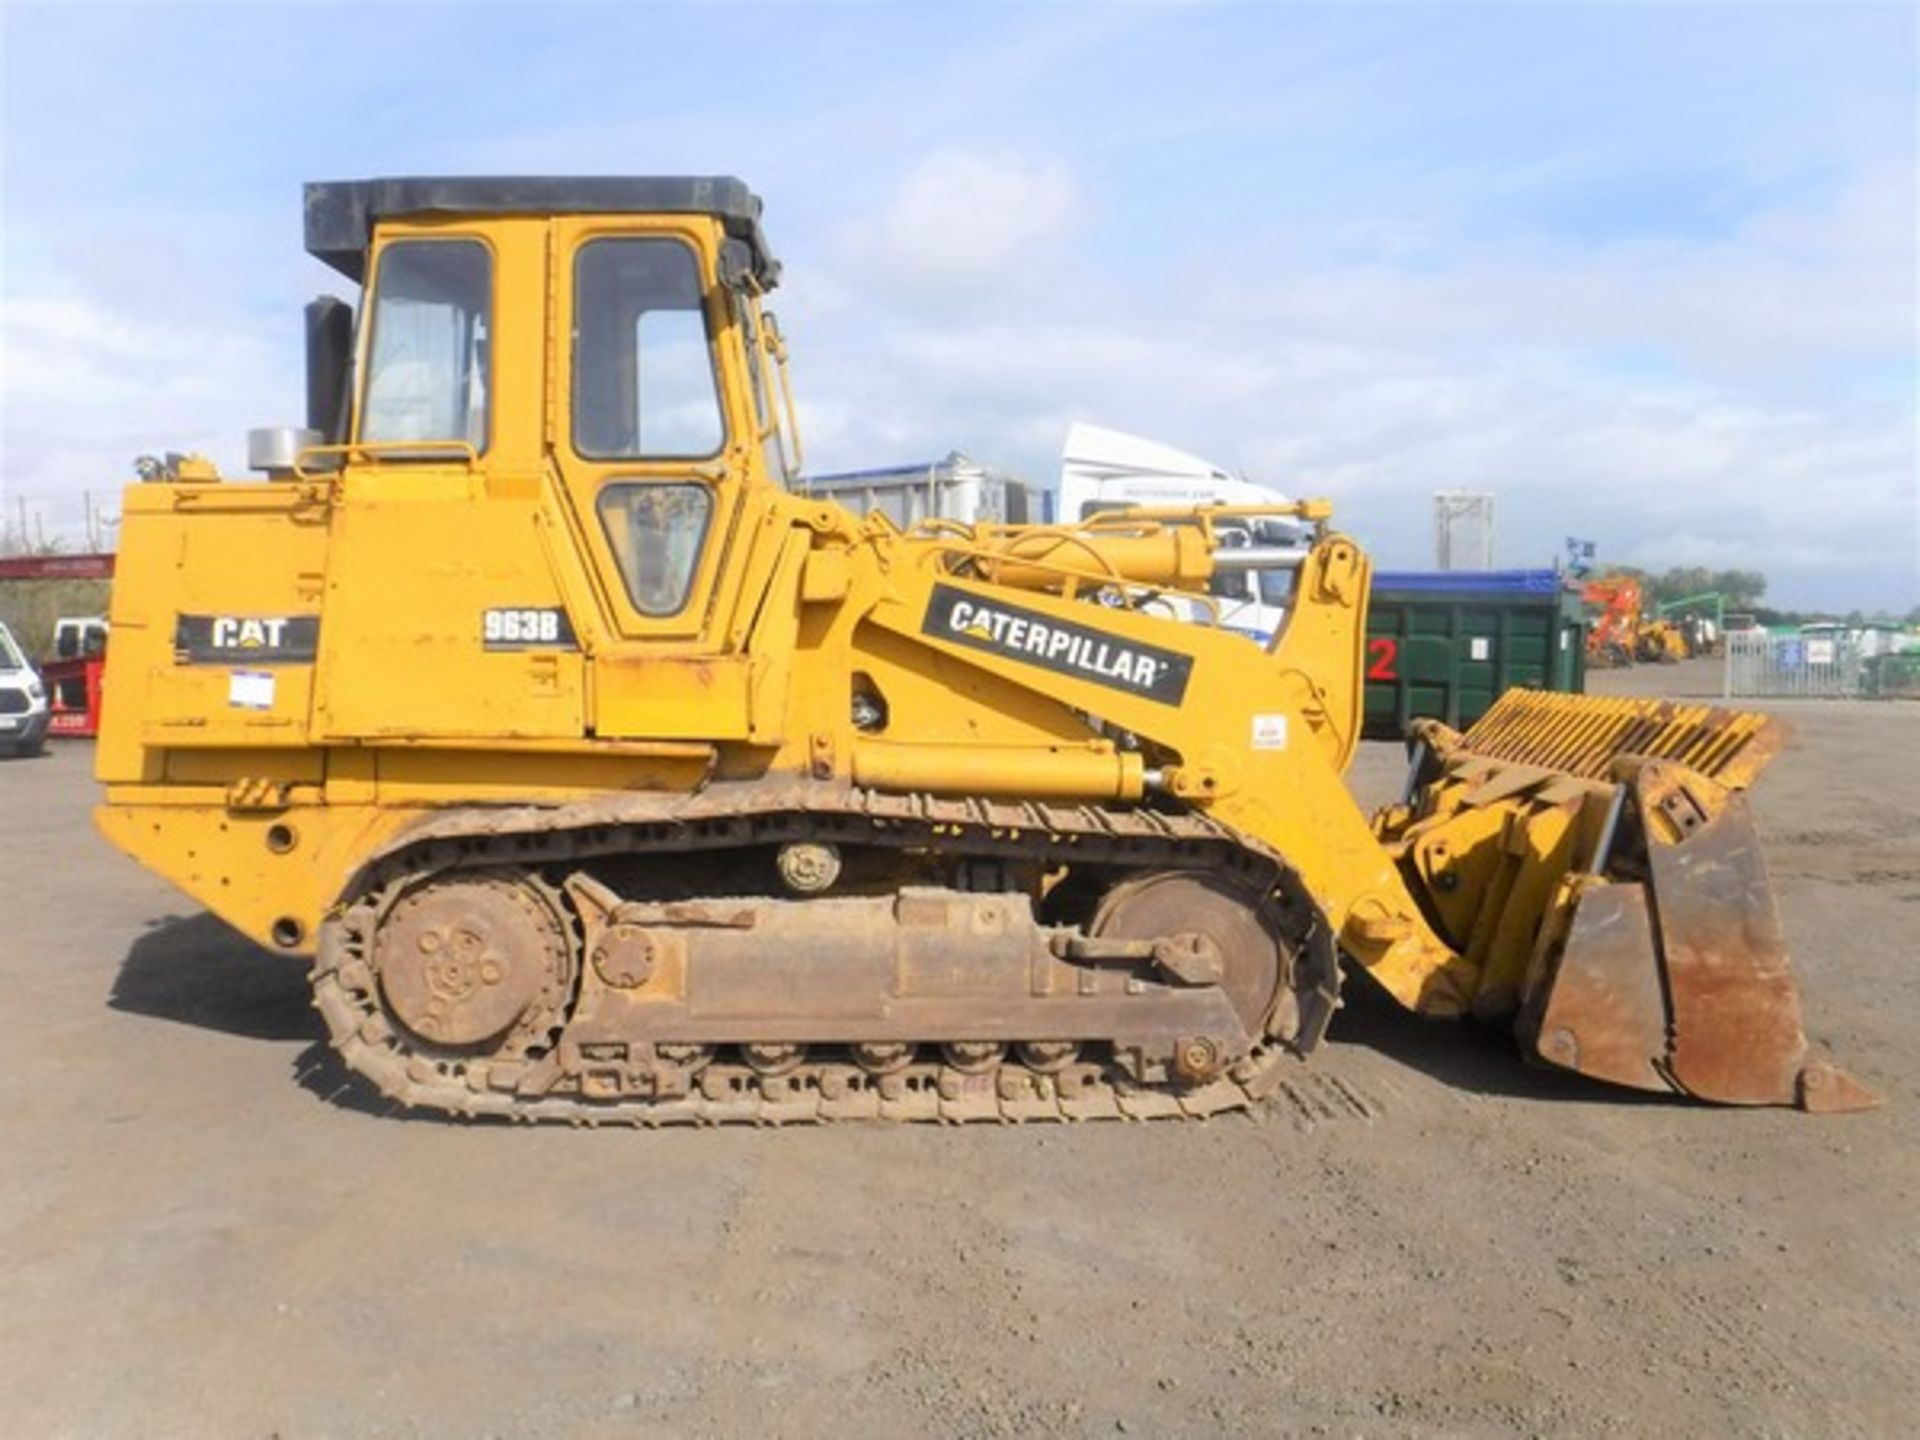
341,213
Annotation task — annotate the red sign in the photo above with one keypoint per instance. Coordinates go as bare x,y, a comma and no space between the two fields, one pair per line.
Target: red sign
56,567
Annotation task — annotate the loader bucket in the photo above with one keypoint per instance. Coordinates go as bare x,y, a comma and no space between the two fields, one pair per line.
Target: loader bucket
1658,961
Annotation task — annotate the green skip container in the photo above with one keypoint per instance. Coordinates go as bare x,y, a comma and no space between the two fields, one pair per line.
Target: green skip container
1446,644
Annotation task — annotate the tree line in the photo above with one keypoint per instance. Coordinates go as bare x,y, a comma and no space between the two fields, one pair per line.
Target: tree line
1743,592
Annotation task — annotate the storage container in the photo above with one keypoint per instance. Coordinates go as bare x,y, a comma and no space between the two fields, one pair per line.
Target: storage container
1446,644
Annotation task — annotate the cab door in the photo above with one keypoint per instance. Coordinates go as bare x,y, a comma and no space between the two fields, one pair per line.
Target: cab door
650,441
442,610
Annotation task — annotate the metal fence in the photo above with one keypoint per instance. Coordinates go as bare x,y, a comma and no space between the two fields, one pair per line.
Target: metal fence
1814,666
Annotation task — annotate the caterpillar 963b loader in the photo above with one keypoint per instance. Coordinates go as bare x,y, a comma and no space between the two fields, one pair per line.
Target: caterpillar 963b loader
606,775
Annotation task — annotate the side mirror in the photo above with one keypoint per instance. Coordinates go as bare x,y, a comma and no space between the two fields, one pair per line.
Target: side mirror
329,367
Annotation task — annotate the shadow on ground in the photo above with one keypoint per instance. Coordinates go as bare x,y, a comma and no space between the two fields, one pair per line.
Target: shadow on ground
199,971
1461,1054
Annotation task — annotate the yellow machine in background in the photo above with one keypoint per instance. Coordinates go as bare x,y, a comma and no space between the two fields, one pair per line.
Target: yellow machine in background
605,774
1661,641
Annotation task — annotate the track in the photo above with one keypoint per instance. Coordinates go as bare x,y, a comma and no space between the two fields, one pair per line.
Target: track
545,845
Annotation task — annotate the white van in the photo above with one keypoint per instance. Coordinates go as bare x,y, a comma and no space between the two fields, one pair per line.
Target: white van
23,701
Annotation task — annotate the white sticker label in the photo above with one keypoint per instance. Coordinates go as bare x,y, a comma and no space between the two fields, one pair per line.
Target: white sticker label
1270,732
250,689
1478,648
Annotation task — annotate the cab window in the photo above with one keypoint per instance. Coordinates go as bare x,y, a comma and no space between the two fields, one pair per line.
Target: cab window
427,362
655,532
643,378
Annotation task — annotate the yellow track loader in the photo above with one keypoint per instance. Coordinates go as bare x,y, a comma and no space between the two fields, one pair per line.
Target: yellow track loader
606,775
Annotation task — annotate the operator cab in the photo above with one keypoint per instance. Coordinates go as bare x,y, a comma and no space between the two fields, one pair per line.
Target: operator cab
575,377
658,282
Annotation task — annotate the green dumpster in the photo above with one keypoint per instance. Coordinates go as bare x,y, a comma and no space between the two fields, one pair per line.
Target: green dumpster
1446,644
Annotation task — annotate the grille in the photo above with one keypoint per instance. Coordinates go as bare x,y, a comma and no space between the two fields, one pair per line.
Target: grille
13,702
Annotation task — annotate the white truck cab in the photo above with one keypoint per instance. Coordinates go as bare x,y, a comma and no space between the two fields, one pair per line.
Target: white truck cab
1102,469
79,637
23,701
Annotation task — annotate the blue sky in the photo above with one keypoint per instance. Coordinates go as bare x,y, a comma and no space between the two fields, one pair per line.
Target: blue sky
1648,272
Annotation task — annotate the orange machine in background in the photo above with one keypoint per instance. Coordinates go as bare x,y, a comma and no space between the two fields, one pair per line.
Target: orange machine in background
1614,636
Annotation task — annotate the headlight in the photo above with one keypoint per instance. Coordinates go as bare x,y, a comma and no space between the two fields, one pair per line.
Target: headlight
36,690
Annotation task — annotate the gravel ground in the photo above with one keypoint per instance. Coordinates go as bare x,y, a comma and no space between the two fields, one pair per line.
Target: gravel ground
204,1230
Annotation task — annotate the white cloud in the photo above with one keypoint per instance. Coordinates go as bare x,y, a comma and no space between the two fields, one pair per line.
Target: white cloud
962,223
1285,238
1674,402
89,385
1793,286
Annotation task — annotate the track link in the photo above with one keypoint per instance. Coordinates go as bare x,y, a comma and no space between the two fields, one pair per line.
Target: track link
725,1091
